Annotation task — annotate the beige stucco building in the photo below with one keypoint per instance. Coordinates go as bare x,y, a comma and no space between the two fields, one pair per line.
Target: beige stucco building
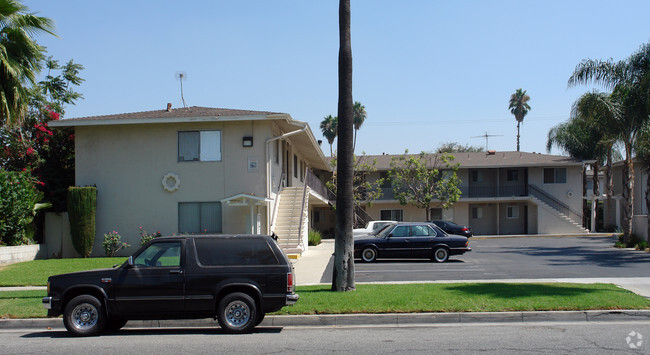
199,170
501,193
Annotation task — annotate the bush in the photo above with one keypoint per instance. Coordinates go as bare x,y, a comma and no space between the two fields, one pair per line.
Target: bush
113,243
82,204
146,237
313,237
642,245
632,240
18,196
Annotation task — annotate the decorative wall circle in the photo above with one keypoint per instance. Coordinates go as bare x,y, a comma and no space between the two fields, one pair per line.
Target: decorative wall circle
569,194
171,182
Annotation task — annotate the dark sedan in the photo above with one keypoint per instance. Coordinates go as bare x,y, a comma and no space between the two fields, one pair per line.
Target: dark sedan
453,228
410,240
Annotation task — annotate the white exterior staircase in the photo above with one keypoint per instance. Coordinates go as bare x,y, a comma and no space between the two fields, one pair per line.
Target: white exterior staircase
561,217
292,238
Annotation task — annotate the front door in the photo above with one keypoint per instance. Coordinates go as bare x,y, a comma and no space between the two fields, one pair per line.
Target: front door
154,284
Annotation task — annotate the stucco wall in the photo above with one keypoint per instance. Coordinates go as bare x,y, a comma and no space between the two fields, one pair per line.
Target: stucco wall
127,164
561,191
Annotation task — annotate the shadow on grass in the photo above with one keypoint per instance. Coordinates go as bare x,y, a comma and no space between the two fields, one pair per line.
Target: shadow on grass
514,290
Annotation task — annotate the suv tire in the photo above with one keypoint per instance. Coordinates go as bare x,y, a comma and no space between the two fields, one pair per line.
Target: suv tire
84,315
237,313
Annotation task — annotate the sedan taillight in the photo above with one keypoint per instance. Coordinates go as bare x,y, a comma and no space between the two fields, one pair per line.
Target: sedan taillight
290,285
465,229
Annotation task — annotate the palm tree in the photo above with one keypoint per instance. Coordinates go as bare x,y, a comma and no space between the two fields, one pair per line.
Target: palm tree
629,81
585,135
643,156
360,115
519,108
20,57
343,270
329,128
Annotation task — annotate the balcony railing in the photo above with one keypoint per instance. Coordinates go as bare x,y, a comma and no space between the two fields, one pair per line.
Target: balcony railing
475,191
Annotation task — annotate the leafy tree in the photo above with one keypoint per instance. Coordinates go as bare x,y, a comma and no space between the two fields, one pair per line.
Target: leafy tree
455,147
343,271
418,179
629,81
48,154
360,115
519,108
20,58
364,191
329,128
18,206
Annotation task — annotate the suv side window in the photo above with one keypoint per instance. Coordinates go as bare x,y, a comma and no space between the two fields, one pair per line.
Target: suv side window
164,254
234,251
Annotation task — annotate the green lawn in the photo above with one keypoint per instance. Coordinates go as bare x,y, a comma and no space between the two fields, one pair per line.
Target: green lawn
35,273
465,297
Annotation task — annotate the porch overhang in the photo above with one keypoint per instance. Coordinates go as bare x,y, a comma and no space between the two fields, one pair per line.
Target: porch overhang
245,200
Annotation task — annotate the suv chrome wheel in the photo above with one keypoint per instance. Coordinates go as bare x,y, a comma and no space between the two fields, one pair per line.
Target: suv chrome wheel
84,315
237,313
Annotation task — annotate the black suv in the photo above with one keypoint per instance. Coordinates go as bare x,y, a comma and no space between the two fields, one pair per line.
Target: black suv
235,279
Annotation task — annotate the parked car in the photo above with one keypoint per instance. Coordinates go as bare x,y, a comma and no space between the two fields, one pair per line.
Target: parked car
410,240
453,228
237,279
371,227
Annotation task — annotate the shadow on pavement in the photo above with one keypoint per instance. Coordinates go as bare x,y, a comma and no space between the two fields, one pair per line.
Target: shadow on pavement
55,334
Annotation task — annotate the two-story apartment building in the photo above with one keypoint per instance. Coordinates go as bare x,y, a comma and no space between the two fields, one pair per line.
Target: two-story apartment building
502,193
199,170
614,211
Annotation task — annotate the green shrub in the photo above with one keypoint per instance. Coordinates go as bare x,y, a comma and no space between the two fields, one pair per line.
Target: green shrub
18,197
82,204
313,237
146,237
632,240
113,243
642,245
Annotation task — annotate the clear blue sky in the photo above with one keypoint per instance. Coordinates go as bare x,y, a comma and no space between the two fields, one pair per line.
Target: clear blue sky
428,72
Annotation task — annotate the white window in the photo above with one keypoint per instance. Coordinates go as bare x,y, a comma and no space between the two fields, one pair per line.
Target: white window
199,146
392,215
512,212
477,212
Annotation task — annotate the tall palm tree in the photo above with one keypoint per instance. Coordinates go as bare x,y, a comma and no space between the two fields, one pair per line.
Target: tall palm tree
519,108
643,155
629,81
20,57
585,135
343,270
329,127
360,115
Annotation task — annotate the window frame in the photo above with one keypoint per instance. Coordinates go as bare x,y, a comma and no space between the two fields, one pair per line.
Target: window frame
394,212
200,204
557,173
180,159
512,212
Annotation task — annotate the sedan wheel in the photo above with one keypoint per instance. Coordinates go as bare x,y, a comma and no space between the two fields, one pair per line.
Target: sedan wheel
369,254
441,255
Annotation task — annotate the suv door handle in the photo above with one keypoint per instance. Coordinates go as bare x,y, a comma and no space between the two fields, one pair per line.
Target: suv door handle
176,271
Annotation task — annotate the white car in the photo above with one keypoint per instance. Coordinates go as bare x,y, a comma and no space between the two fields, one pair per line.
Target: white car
371,228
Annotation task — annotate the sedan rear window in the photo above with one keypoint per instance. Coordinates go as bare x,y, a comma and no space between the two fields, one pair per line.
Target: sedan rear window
234,251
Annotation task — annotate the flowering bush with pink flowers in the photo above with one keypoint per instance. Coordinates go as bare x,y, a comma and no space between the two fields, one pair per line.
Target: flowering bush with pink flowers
113,243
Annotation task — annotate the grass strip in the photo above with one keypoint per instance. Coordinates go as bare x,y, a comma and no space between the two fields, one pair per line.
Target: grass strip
36,272
415,298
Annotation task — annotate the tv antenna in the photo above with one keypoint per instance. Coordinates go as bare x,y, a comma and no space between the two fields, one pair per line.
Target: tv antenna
181,75
486,135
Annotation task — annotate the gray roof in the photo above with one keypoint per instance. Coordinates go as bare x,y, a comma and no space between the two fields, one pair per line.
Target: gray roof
194,111
487,160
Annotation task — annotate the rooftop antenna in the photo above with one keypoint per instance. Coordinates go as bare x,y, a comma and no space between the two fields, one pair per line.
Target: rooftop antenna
181,75
486,135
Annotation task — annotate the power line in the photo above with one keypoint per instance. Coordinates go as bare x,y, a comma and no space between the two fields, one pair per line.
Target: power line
453,122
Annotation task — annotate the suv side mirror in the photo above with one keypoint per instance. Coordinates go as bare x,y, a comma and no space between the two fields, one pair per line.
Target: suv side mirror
130,261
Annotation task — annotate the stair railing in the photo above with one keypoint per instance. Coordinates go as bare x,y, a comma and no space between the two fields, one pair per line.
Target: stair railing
554,203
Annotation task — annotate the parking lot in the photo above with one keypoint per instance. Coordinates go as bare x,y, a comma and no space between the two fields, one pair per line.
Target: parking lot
514,258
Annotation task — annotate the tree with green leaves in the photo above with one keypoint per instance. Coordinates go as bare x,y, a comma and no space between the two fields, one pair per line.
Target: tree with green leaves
419,179
643,156
343,270
455,147
629,81
364,191
360,115
585,135
329,127
20,58
519,107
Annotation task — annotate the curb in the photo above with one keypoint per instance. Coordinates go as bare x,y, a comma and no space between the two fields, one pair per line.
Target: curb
388,319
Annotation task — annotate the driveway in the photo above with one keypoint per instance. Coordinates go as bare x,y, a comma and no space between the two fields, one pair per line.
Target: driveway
515,258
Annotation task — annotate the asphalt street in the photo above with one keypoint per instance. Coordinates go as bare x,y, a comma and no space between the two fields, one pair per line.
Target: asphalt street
542,338
514,258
